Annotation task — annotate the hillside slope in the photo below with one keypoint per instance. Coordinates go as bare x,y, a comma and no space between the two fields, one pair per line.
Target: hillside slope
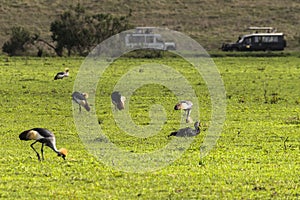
209,22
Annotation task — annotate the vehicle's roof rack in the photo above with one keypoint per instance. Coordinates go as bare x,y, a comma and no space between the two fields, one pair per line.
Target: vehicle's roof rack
266,28
144,29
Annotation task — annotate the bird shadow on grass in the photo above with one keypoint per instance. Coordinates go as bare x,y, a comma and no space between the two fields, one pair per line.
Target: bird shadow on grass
33,79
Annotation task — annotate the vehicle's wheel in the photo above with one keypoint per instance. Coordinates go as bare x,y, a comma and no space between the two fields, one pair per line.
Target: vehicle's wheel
268,50
171,48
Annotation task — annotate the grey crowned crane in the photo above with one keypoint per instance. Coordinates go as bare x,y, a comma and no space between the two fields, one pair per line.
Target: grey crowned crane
187,132
118,100
61,75
187,107
45,137
80,98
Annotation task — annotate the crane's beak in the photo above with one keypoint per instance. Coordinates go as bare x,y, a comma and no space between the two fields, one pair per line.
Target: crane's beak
177,107
63,153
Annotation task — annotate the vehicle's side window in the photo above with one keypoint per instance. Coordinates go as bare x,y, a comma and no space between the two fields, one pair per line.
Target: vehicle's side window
248,40
136,39
149,39
267,39
270,39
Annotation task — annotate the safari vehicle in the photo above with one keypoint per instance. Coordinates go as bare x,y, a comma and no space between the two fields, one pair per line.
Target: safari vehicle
144,37
258,41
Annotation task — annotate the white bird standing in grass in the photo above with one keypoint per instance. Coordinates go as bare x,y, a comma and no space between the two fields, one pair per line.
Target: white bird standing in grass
45,137
61,75
187,132
80,98
187,107
118,100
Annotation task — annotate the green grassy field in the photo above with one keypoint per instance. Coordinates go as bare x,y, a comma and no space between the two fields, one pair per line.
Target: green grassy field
256,156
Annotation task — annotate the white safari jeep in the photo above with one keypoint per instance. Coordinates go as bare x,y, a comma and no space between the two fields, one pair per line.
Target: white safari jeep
143,37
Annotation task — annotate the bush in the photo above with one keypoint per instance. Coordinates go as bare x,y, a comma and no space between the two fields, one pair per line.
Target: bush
74,31
79,32
15,45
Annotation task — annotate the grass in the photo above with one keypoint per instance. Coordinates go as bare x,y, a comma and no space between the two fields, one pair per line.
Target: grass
256,157
211,23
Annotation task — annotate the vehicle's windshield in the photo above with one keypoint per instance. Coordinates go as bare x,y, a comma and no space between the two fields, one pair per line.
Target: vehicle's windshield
240,40
159,40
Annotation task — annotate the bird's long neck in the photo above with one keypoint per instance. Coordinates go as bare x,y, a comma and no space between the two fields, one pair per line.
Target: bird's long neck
197,130
188,113
52,145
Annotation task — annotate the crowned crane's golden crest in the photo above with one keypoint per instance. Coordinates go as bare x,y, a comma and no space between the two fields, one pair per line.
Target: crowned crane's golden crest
63,151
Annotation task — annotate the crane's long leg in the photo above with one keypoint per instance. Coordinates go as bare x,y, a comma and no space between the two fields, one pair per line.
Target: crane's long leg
79,108
188,119
38,155
42,151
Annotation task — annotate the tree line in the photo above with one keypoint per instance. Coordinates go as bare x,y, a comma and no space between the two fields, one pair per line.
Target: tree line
74,32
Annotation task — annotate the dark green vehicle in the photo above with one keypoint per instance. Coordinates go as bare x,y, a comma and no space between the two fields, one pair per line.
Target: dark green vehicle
269,41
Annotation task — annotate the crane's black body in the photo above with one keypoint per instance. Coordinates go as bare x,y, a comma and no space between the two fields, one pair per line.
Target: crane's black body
80,98
61,75
187,107
45,137
187,132
118,100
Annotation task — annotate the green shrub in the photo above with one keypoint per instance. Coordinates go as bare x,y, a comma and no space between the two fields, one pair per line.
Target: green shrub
15,45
